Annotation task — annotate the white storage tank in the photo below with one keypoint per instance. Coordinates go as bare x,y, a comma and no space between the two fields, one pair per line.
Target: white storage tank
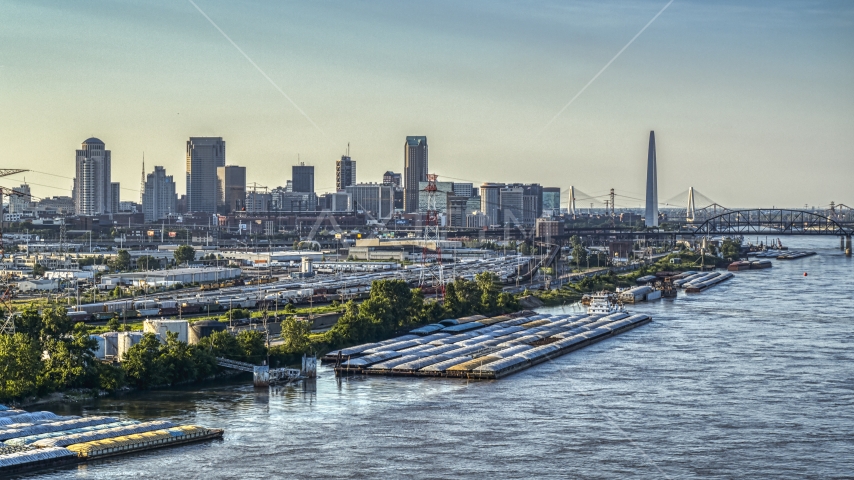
127,340
111,344
161,327
306,266
101,350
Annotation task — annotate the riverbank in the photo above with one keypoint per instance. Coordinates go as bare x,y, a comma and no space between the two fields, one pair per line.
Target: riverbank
708,377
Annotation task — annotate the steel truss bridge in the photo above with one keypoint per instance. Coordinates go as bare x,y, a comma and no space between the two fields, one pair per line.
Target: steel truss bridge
771,222
744,222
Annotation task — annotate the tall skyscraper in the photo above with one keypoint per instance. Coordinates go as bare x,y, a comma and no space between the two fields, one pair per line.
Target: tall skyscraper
490,201
231,188
651,213
414,171
92,189
533,190
204,155
512,205
303,178
115,197
159,198
345,173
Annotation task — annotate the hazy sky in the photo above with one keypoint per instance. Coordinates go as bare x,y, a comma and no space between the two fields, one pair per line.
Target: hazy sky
751,104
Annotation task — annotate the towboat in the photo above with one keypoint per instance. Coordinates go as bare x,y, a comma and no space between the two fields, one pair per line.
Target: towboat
604,303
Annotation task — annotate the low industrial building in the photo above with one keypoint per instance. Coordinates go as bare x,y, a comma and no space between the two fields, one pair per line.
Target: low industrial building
38,285
264,259
171,277
70,274
397,254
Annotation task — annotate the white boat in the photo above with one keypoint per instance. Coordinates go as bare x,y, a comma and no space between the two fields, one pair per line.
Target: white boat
604,303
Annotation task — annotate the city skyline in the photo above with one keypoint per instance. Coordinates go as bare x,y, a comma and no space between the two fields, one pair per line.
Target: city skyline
741,114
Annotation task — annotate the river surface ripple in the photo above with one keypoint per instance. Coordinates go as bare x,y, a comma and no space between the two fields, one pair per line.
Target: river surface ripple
750,379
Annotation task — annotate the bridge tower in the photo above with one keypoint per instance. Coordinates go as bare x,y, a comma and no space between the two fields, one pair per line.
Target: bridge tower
571,208
691,214
651,212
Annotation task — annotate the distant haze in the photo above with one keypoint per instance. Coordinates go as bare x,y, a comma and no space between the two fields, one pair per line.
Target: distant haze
751,105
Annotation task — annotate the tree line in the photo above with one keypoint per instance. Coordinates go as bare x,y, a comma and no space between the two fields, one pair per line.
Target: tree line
50,353
393,308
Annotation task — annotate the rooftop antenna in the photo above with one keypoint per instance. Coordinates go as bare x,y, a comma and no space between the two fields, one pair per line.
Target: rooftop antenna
348,149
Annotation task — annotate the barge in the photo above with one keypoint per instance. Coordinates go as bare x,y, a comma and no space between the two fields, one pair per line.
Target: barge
492,348
706,282
43,440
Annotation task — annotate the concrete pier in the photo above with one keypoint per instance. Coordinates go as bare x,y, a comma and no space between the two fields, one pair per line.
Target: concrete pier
848,246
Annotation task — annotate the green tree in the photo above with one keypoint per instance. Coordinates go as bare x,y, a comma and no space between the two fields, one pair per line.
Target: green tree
351,327
67,349
462,297
184,254
295,335
69,361
579,253
388,306
238,313
507,302
221,344
109,377
141,364
176,360
39,270
20,366
121,262
147,262
487,283
730,249
252,346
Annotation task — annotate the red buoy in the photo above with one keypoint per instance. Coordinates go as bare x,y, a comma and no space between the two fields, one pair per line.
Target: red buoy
805,274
